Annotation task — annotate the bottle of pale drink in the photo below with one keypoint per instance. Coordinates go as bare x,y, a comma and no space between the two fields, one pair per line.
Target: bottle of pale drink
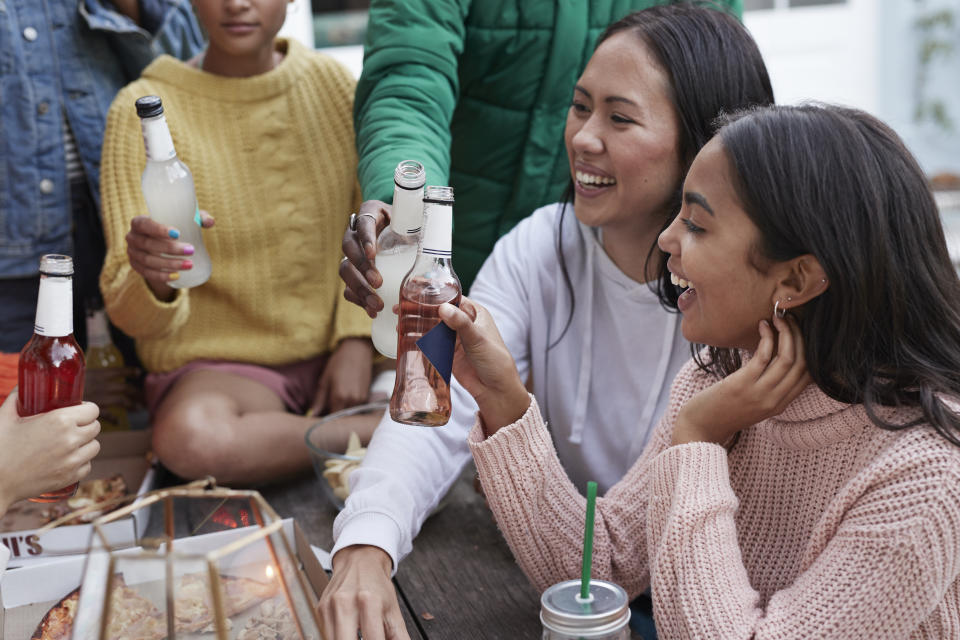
51,369
168,190
397,249
421,394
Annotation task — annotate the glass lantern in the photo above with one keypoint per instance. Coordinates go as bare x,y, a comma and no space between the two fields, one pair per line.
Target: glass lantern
232,572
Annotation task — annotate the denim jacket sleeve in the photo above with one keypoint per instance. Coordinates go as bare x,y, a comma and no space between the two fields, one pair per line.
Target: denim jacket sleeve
168,27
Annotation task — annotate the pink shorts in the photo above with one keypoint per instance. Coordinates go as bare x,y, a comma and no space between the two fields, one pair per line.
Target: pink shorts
295,383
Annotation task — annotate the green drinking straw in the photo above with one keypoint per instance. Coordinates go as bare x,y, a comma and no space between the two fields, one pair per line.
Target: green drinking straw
588,541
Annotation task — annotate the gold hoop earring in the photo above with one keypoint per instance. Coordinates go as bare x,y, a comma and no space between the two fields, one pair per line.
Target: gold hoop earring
777,311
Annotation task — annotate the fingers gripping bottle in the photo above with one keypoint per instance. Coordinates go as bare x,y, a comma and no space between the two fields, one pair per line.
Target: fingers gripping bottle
421,395
397,249
51,370
168,190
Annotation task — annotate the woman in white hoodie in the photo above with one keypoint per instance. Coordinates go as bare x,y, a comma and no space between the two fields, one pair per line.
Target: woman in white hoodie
569,287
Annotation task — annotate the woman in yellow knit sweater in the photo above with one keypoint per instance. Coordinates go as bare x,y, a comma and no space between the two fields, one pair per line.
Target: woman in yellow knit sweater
265,126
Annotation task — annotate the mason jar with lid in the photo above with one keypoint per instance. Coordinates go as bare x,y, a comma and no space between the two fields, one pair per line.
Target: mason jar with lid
603,615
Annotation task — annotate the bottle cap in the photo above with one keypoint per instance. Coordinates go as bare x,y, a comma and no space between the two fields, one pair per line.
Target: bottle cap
410,175
605,611
439,195
149,106
54,264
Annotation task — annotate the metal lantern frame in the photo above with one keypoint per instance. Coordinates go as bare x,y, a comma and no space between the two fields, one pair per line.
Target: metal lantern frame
268,524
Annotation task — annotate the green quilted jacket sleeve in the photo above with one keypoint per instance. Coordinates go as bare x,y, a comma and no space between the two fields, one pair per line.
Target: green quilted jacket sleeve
408,90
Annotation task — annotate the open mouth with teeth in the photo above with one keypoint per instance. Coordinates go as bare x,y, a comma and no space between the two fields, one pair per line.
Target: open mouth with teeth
592,181
686,298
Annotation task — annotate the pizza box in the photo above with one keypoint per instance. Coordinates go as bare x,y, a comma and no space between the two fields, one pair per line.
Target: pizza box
27,594
123,452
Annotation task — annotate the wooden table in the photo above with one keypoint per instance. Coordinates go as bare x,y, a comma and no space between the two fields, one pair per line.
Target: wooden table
459,582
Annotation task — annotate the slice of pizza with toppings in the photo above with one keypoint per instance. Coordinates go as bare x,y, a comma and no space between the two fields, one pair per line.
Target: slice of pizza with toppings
132,617
193,609
58,622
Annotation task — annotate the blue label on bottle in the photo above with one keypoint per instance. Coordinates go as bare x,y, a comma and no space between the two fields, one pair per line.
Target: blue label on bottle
438,345
196,216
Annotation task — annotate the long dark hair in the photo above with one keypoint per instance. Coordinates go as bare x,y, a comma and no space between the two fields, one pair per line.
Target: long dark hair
839,184
713,66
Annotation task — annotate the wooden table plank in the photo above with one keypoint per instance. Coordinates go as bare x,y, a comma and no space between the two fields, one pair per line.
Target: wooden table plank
462,574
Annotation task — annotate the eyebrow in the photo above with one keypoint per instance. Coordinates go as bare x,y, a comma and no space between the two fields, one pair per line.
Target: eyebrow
608,99
692,197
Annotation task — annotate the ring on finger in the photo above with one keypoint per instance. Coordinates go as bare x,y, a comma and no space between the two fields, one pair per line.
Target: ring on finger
355,218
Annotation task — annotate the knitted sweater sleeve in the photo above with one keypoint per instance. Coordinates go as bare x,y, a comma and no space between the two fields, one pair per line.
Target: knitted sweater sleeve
541,513
885,562
127,298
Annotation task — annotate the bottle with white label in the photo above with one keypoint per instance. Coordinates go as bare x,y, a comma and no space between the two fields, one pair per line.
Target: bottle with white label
421,394
168,190
397,249
51,369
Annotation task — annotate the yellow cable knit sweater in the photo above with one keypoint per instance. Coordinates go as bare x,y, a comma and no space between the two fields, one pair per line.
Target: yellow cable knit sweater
274,162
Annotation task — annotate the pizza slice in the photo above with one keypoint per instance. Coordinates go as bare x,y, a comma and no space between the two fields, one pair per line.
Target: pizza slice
193,609
132,617
58,622
99,491
272,621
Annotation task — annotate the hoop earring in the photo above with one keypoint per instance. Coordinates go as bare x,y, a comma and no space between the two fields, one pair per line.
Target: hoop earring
777,311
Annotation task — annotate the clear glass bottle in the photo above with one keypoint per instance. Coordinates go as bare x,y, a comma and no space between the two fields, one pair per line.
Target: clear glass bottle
51,369
397,249
604,615
421,394
103,354
169,192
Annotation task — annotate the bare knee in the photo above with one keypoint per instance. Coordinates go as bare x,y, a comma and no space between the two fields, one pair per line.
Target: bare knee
191,438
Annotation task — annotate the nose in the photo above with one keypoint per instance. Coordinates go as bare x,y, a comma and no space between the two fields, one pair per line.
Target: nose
669,240
588,140
236,5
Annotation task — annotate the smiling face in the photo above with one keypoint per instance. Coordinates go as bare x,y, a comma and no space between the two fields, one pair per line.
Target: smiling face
622,139
713,247
241,28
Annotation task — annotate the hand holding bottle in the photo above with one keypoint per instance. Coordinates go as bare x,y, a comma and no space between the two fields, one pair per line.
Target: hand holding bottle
483,365
44,452
360,248
150,245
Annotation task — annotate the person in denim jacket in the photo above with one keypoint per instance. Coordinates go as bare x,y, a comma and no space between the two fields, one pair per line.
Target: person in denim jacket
61,63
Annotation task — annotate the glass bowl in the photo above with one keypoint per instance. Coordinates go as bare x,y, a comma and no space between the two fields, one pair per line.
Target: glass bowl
333,469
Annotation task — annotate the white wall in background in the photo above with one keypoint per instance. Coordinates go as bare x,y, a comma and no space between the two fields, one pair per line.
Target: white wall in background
299,22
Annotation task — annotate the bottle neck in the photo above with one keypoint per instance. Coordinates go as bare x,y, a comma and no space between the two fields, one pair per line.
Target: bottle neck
54,307
156,139
437,238
407,216
98,330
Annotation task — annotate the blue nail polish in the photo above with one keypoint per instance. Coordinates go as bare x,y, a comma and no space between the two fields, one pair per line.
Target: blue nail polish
173,233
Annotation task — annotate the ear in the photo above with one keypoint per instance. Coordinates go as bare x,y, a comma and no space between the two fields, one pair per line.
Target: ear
803,280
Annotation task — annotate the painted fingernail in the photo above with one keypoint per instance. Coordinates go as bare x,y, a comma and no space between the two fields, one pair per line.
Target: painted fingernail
188,249
174,276
372,301
186,264
173,233
370,275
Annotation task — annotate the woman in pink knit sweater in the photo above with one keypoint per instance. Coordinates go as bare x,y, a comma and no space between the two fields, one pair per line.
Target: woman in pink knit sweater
805,482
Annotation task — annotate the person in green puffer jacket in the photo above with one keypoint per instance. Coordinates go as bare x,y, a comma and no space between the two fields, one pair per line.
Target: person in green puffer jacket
479,93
